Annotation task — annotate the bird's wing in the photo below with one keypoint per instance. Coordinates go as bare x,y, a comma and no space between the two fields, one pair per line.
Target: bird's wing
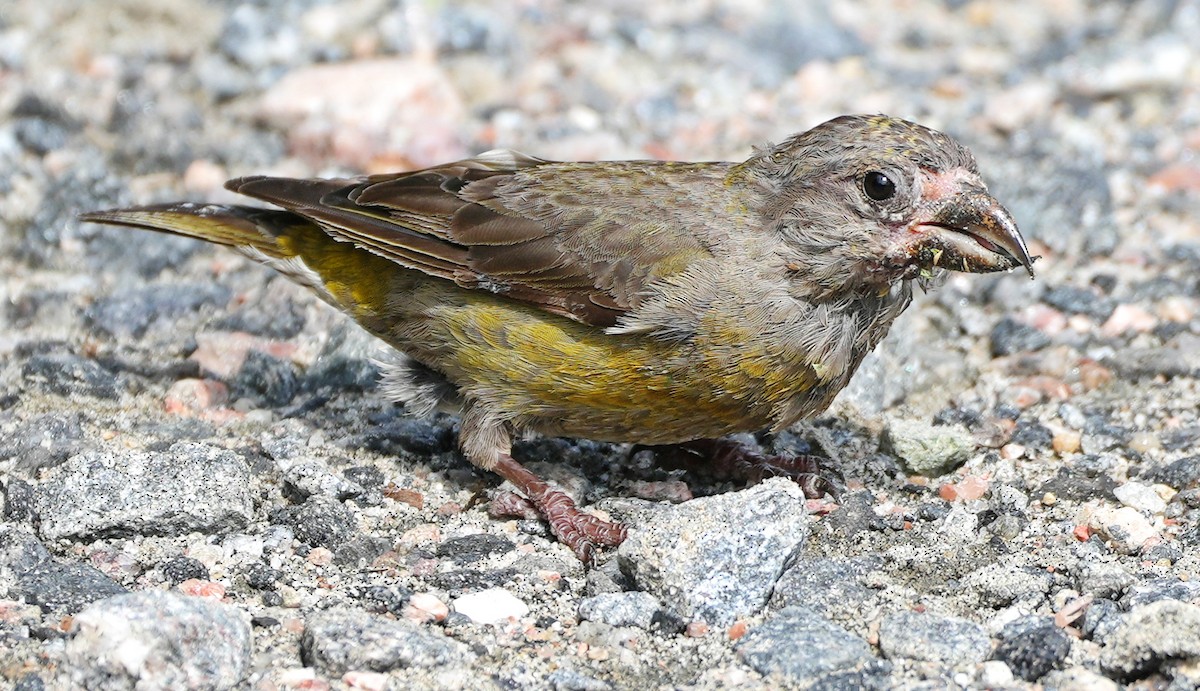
583,240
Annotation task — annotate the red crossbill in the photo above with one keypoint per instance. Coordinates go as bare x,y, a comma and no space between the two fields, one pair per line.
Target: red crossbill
653,302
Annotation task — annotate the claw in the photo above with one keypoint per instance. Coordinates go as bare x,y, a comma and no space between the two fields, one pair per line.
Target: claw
583,533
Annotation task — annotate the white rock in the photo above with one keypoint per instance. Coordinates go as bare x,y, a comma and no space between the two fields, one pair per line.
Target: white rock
491,606
1125,528
995,674
1141,497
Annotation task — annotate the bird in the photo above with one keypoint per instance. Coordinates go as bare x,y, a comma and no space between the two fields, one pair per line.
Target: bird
646,302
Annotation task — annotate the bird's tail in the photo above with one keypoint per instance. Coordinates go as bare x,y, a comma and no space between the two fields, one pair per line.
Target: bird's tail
244,228
340,273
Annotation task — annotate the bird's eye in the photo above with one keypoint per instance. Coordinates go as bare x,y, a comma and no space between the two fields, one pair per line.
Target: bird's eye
878,186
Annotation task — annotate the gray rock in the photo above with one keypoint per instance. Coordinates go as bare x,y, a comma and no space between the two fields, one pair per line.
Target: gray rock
1180,474
17,501
1155,589
1103,579
998,585
67,374
468,549
1101,619
925,449
1011,336
1079,300
1150,635
621,609
827,586
801,646
20,551
190,487
131,312
1077,679
564,679
1147,363
28,571
311,477
341,640
158,640
319,522
43,441
934,638
716,558
65,587
269,379
181,568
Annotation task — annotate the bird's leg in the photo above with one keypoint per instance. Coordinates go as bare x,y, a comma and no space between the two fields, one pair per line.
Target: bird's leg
580,531
728,459
487,442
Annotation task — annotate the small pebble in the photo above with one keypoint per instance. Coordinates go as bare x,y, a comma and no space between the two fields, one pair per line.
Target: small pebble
491,606
1126,529
1128,318
1066,442
994,674
425,607
1141,497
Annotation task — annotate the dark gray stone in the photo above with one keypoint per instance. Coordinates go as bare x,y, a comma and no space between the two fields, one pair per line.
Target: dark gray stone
273,318
934,638
19,506
43,441
67,374
131,312
855,515
1079,300
319,522
180,568
1181,474
1155,589
827,586
1079,485
800,646
1032,646
64,587
469,549
360,550
1101,618
1011,336
20,551
267,378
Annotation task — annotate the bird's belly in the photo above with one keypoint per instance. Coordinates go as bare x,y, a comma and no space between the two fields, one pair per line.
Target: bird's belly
558,377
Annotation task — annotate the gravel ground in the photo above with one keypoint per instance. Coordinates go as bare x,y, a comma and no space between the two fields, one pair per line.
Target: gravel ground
203,487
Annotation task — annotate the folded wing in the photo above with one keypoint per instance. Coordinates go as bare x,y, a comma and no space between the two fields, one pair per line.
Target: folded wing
583,240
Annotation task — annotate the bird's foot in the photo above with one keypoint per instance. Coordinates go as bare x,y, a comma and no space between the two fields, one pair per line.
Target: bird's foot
726,458
580,531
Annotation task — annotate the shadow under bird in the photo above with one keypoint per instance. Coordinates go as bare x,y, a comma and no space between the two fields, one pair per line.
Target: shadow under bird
652,302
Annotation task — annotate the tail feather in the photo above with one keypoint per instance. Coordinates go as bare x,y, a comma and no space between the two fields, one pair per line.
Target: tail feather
241,227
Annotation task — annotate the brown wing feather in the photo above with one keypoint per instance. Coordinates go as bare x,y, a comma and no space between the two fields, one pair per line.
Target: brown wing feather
570,238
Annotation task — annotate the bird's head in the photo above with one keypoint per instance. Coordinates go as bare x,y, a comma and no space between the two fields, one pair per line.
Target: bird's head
862,202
